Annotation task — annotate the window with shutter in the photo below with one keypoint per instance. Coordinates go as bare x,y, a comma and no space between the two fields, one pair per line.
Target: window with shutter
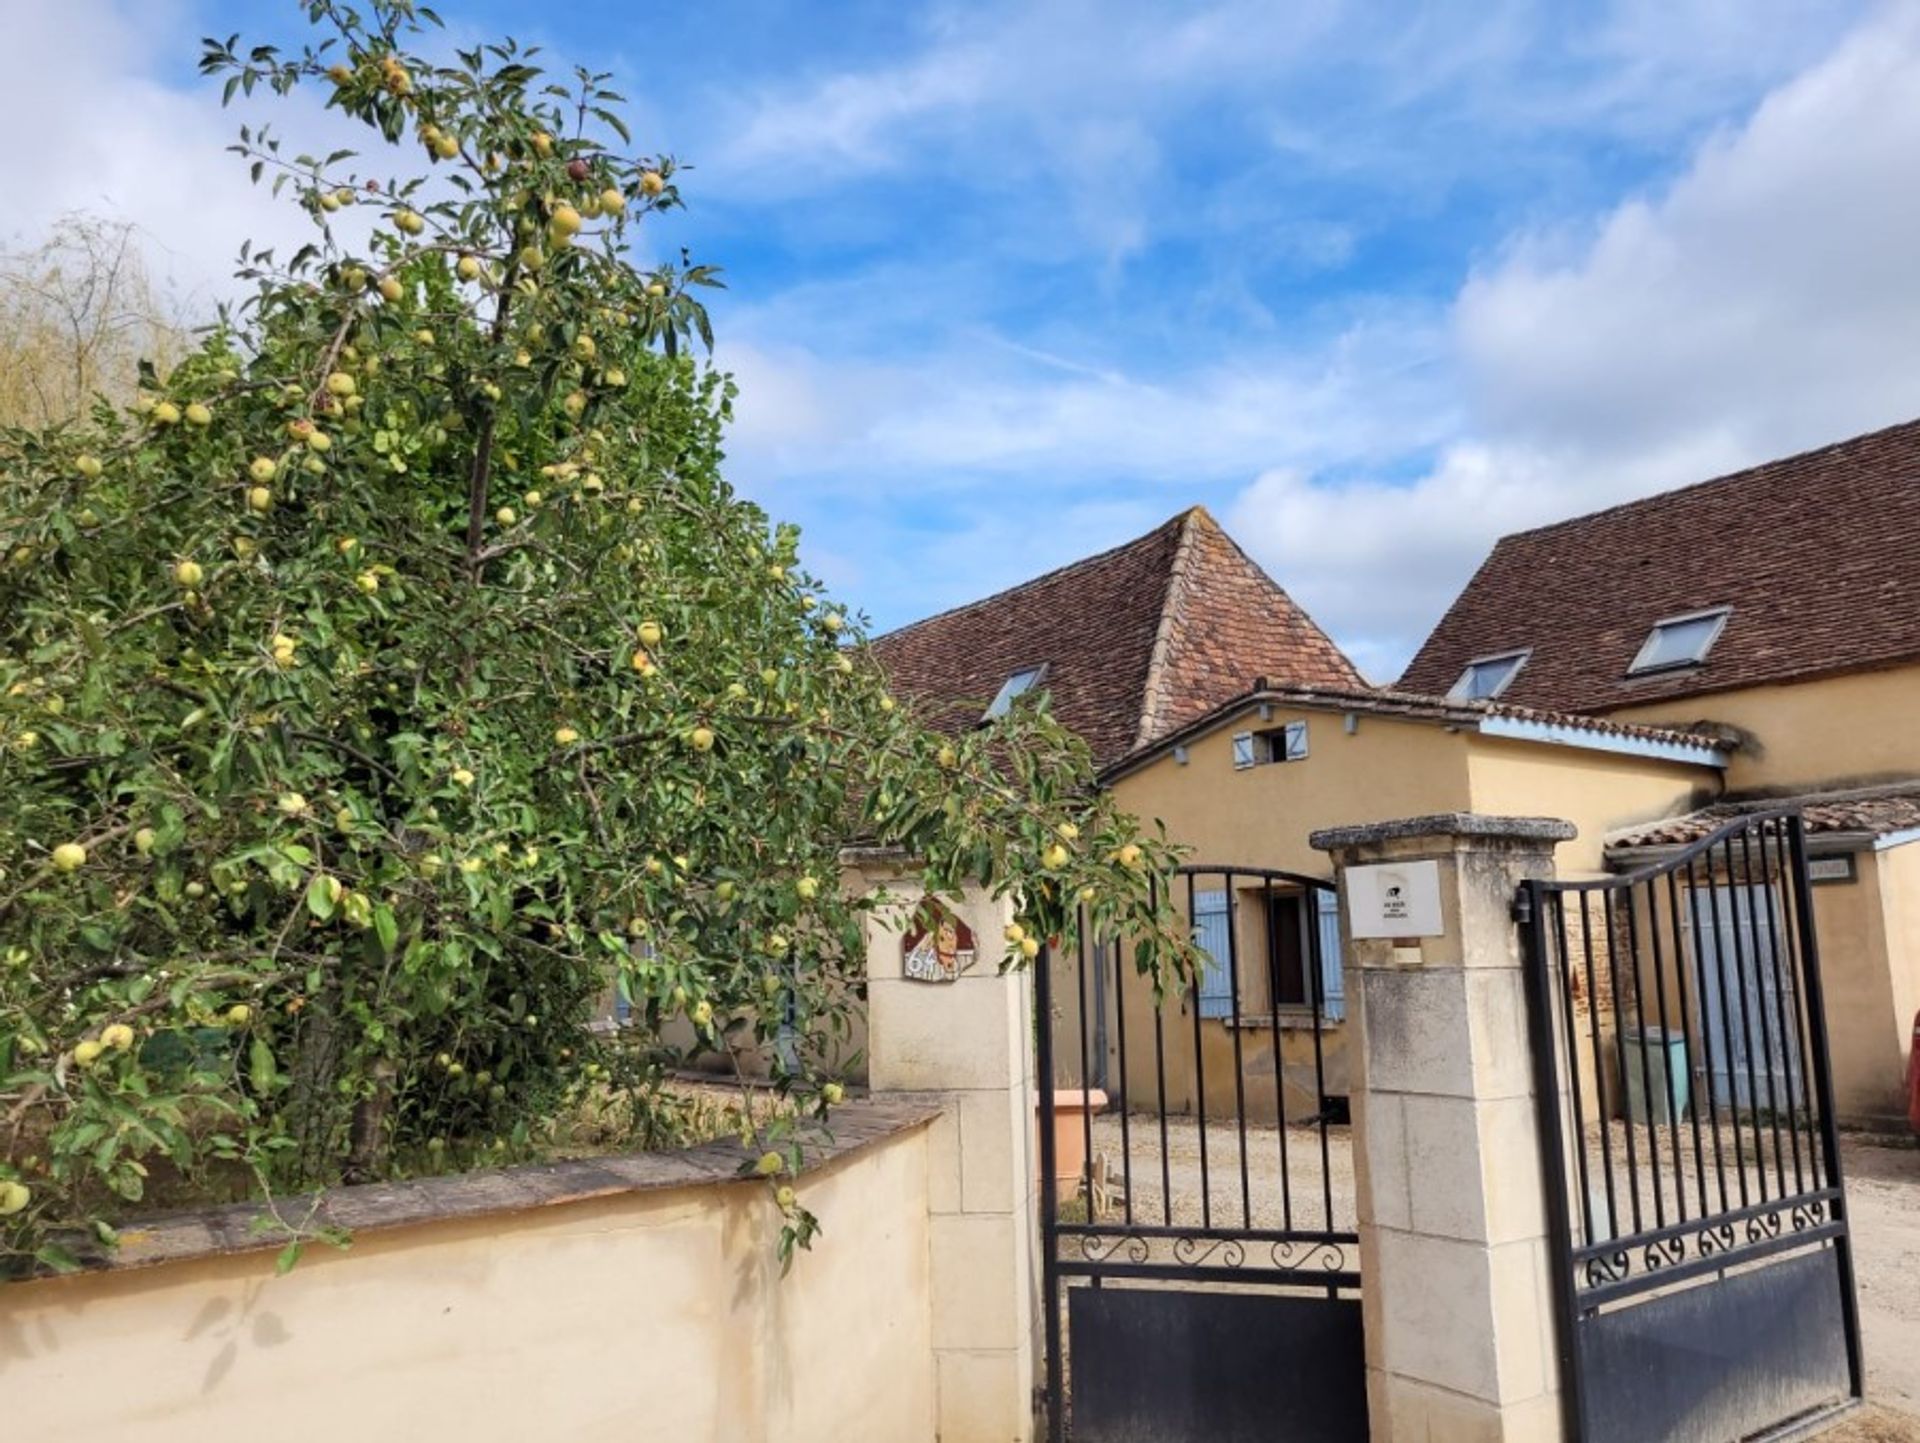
1212,923
1333,987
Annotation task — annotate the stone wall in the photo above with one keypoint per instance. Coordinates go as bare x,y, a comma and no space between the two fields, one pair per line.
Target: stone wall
620,1298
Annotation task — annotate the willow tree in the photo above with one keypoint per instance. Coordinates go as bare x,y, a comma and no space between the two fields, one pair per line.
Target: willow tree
401,668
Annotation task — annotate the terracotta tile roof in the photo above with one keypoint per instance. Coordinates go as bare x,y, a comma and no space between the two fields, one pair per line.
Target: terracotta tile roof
1818,556
1137,641
1388,701
1870,811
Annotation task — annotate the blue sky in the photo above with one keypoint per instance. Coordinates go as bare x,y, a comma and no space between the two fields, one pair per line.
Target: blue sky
1375,282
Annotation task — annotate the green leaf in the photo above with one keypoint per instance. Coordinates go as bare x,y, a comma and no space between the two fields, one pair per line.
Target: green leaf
289,1255
386,928
52,1255
260,1068
320,896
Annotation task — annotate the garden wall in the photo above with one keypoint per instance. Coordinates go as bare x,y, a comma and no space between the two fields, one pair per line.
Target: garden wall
634,1297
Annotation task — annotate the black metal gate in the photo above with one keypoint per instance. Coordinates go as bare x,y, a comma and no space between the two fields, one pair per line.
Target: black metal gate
1201,1265
1703,1269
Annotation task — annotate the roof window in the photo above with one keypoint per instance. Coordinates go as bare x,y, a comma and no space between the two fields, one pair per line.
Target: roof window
1487,676
1019,684
1680,641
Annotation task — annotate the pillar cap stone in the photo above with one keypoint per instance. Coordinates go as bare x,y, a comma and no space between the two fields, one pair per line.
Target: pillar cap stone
1469,825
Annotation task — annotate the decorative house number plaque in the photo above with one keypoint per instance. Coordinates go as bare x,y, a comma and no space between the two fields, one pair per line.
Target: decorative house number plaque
937,946
1393,899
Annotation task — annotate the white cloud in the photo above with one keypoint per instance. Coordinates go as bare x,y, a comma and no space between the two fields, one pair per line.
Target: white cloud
95,130
1762,304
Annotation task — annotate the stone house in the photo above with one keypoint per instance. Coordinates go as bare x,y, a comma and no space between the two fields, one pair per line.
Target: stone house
1644,672
1215,707
1776,611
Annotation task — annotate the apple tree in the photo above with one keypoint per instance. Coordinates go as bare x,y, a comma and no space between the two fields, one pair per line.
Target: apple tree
400,671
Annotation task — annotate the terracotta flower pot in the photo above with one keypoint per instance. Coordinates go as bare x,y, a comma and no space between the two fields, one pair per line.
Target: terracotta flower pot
1070,1107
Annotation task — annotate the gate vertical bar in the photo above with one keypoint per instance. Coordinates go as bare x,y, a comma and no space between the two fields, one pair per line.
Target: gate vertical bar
1823,1085
1049,1201
1530,909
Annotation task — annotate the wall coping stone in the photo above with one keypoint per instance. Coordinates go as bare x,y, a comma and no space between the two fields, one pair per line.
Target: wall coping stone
1474,825
855,1125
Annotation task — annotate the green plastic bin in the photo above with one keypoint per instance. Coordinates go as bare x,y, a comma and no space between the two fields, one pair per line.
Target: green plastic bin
1651,1056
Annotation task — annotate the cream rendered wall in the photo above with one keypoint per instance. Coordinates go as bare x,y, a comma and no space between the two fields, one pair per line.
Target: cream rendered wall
650,1315
1261,816
1842,730
1900,902
1596,791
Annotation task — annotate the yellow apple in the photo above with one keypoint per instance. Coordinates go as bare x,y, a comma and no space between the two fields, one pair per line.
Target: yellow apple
506,516
565,736
833,1094
652,182
239,1014
85,1054
259,499
701,739
188,574
612,202
339,383
198,415
391,289
88,466
808,888
262,469
69,856
291,804
143,841
467,268
409,222
650,633
118,1036
14,1197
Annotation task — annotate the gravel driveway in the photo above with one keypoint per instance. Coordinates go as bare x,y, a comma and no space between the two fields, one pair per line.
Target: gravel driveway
1883,1191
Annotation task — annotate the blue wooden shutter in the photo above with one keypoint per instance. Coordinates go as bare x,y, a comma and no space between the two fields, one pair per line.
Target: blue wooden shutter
1211,921
1333,987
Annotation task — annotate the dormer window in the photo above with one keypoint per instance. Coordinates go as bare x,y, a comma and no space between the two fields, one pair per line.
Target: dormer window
1019,684
1680,641
1283,744
1487,676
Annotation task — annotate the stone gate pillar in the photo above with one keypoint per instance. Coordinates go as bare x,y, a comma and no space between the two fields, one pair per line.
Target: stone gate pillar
1457,1292
968,1042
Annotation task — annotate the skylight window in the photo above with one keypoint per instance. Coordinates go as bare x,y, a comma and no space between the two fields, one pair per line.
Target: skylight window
1487,676
1019,684
1680,641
